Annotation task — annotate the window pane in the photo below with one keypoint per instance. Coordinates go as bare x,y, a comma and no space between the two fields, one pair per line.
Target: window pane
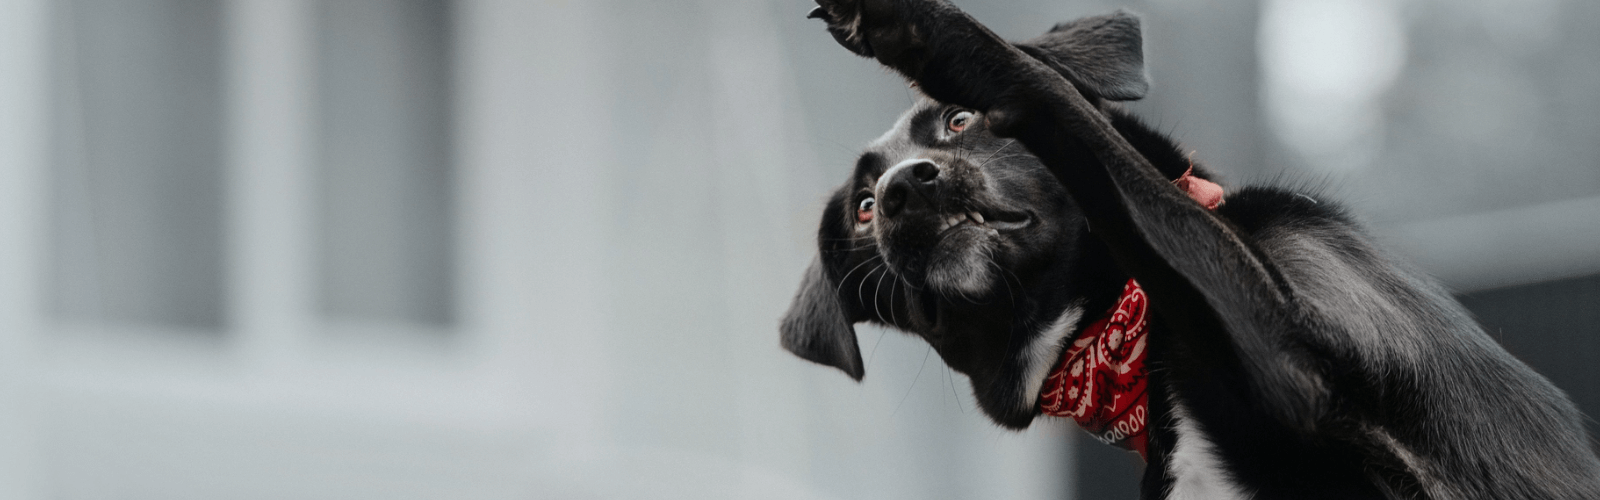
137,154
384,92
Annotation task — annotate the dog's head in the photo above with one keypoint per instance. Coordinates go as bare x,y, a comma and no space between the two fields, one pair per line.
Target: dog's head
965,239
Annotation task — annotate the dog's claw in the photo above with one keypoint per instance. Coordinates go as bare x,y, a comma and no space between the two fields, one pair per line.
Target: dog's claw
819,13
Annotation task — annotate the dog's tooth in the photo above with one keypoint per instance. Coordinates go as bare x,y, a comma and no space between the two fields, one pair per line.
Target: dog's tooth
949,222
977,217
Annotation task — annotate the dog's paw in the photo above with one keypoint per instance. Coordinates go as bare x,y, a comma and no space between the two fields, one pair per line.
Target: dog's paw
947,53
844,23
890,31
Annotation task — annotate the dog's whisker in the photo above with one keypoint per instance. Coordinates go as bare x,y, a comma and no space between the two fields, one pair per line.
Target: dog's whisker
892,285
881,334
840,289
996,151
949,375
908,284
860,288
913,381
1003,158
876,291
852,244
966,297
862,247
1003,272
1018,279
941,393
1008,284
961,143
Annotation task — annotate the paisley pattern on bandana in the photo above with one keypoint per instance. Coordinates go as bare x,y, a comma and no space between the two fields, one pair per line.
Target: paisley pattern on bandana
1101,380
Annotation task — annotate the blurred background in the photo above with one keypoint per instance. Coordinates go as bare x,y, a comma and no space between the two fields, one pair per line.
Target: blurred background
513,249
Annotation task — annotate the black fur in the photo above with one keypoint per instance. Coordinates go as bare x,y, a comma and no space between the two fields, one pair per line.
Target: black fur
1316,366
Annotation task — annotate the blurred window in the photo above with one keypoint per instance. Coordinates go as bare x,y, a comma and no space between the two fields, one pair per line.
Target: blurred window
385,151
136,155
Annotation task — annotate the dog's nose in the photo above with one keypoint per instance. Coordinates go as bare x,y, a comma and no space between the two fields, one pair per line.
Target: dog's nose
925,171
907,187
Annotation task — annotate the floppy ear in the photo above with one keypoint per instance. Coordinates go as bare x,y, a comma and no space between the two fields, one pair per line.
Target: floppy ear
1102,55
816,328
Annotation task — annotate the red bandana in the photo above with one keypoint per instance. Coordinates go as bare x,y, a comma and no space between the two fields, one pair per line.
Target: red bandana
1100,381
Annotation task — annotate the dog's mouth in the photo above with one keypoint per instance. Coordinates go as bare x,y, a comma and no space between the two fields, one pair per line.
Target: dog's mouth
960,253
990,218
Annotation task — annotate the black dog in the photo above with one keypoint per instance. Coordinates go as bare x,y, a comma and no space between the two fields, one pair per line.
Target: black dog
1288,358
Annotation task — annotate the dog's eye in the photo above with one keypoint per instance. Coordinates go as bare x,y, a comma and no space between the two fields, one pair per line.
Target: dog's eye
960,121
864,210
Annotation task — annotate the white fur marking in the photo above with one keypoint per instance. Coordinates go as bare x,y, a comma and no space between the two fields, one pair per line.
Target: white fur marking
1045,350
1196,473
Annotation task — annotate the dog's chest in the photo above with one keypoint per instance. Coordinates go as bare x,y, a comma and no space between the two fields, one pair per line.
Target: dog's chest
1196,471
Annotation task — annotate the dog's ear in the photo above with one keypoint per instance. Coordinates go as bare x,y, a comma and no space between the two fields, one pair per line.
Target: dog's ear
1102,55
816,327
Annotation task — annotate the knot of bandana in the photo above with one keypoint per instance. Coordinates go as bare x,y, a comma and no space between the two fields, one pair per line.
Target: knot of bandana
1101,381
1207,193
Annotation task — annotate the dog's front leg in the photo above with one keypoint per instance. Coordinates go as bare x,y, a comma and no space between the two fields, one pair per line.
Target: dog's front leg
1226,306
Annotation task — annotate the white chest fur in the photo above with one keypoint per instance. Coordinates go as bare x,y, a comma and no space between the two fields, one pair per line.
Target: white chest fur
1197,473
